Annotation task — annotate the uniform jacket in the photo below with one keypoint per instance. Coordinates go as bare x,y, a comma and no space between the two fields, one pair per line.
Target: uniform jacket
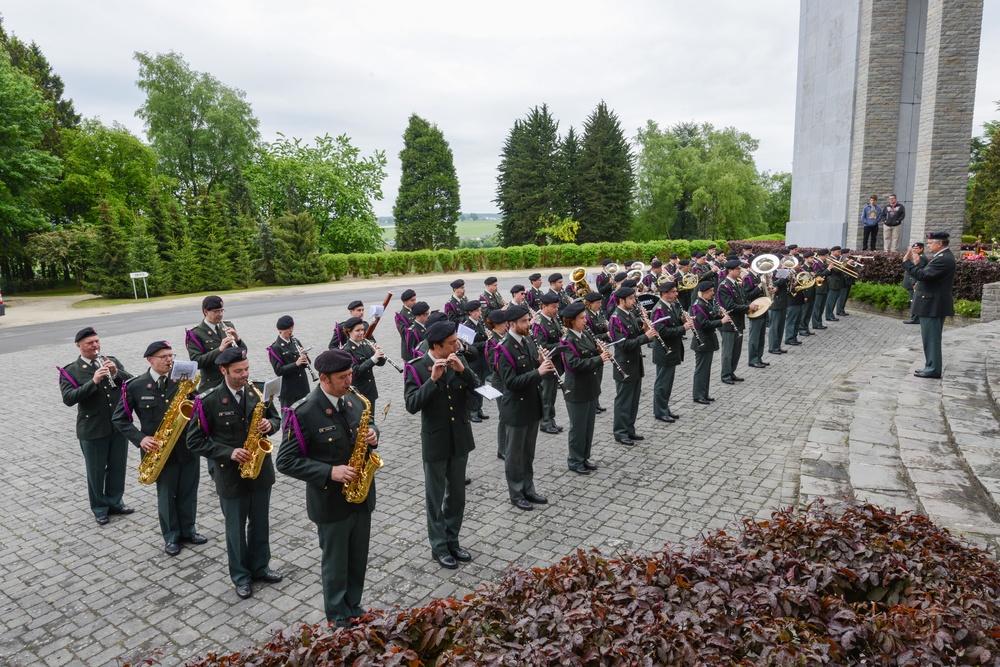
363,368
597,322
217,427
820,269
414,336
736,302
932,296
317,439
203,344
404,320
706,321
625,327
779,300
908,281
533,298
517,363
584,367
491,360
547,334
445,429
490,302
294,380
564,298
142,398
836,278
479,364
95,403
339,338
455,308
671,331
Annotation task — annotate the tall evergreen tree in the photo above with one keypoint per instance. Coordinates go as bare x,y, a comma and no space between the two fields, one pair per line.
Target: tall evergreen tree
109,260
984,194
570,187
296,250
427,206
143,256
606,179
528,182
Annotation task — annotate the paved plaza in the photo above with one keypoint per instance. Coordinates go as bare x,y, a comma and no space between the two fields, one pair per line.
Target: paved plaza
75,593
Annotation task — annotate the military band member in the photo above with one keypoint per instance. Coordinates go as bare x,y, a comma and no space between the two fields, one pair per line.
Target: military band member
793,250
556,287
208,339
474,320
737,304
497,324
909,283
793,316
747,254
490,299
756,326
805,315
354,309
535,291
91,383
604,284
777,312
597,323
932,299
455,308
518,296
415,334
317,450
404,320
846,292
289,363
437,386
706,320
650,279
671,331
626,331
822,271
547,331
521,369
365,356
683,296
220,423
836,282
584,369
148,396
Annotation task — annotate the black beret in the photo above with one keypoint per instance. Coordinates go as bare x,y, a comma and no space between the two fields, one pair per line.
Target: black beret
792,246
516,312
555,277
808,253
918,244
747,246
938,236
285,322
629,263
822,251
620,276
497,316
534,276
434,318
712,245
230,355
572,310
732,264
656,264
591,297
407,295
211,303
84,333
355,304
419,308
624,292
846,250
673,255
473,305
490,281
666,286
836,247
732,255
706,285
549,297
350,323
332,361
455,284
629,283
437,332
605,261
156,347
684,262
516,288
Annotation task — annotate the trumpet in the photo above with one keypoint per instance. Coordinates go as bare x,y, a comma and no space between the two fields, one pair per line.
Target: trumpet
603,347
305,351
104,361
373,346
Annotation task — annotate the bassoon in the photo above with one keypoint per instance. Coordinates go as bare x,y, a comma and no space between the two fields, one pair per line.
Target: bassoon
371,327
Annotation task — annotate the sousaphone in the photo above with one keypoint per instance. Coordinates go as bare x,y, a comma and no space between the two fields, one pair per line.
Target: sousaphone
764,266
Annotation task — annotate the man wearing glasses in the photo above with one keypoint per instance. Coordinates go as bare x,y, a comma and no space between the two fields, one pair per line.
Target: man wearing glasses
148,396
932,298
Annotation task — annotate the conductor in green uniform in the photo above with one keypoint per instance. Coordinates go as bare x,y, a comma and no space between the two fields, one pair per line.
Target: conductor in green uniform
932,298
317,448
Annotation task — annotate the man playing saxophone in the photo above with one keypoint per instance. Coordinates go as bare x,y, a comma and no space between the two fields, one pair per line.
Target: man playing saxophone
148,397
220,429
317,449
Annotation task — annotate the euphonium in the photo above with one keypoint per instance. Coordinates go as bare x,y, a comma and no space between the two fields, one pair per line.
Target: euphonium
363,461
169,431
611,269
580,284
256,443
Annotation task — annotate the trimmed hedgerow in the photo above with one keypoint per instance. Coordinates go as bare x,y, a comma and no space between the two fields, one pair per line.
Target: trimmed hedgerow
848,584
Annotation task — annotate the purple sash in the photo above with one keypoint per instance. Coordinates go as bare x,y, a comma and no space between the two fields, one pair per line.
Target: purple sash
271,352
413,371
128,413
189,336
69,377
294,421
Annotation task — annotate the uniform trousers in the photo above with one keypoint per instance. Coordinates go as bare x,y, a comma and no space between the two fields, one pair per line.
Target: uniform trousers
702,373
819,307
549,389
931,329
105,460
344,545
444,500
831,302
501,427
777,325
519,464
247,534
177,499
792,317
805,316
663,386
842,300
755,340
627,397
581,431
732,348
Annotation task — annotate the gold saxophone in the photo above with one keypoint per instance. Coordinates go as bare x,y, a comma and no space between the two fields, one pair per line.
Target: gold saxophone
169,431
256,443
365,462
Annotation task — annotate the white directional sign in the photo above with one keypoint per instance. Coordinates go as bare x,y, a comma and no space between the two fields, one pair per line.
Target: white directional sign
140,274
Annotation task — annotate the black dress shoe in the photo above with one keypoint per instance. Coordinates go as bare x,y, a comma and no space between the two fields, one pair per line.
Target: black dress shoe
483,417
911,321
703,401
589,466
628,442
792,342
760,365
805,333
475,420
172,548
725,381
674,415
600,409
559,429
766,363
819,326
468,480
666,419
270,576
636,437
461,555
778,351
447,561
244,591
581,470
197,538
843,314
523,504
922,374
501,457
551,430
102,520
738,379
711,400
121,510
536,499
832,319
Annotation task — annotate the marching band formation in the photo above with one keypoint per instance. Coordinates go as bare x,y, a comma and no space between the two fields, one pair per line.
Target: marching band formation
525,353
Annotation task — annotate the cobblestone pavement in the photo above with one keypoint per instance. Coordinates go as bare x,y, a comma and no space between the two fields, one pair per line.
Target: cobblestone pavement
76,593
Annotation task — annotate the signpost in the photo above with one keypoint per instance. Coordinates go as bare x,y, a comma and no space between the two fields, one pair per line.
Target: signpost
136,275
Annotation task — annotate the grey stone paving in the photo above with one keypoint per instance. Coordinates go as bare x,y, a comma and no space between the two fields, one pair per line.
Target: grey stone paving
73,593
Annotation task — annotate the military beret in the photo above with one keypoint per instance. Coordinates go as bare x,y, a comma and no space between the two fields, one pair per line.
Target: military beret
732,264
350,323
230,355
846,250
332,361
572,310
629,283
706,285
534,276
938,236
747,246
84,333
407,295
822,251
673,255
684,262
629,263
792,246
497,316
455,284
605,261
516,289
419,308
620,276
516,312
591,297
549,297
666,286
490,281
711,246
285,322
439,331
211,303
836,247
732,255
435,317
656,264
153,348
624,292
473,305
918,244
808,253
355,304
555,277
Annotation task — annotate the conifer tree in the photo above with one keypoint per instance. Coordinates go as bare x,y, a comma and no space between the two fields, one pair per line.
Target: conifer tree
296,246
606,179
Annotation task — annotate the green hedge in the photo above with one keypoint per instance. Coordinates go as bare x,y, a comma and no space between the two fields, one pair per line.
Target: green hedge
894,297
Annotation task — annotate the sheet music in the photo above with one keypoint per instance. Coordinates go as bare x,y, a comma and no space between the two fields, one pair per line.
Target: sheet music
376,311
184,370
272,388
466,334
488,392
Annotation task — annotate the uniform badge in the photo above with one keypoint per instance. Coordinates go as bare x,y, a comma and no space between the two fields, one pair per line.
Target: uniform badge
225,400
350,405
149,386
329,411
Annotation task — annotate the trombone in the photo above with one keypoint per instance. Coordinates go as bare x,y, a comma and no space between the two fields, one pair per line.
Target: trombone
842,267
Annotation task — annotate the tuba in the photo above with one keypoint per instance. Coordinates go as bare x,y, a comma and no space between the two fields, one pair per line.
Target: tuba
580,285
257,444
362,460
611,269
169,431
637,271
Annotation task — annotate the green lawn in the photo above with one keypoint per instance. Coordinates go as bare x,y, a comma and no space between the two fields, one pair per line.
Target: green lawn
471,228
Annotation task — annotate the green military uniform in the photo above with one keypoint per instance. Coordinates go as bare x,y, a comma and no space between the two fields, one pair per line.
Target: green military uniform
496,381
584,369
404,320
203,343
671,331
737,304
105,449
520,411
218,426
319,438
844,293
836,285
909,284
363,365
547,333
932,302
294,382
177,484
796,302
754,288
490,301
597,322
455,308
776,315
821,293
706,320
534,298
625,327
564,298
446,440
414,338
478,363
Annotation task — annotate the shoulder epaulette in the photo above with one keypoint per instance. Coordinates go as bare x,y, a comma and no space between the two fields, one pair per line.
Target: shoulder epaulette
207,392
296,404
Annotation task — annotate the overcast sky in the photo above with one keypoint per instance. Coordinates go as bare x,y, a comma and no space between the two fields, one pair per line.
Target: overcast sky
361,68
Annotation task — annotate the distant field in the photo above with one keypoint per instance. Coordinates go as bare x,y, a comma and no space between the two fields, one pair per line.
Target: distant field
471,228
